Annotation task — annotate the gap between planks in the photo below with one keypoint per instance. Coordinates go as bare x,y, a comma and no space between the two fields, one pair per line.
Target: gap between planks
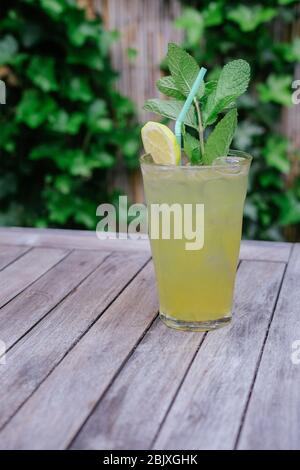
260,358
207,411
273,414
100,433
39,299
14,253
50,330
87,240
105,319
26,270
30,403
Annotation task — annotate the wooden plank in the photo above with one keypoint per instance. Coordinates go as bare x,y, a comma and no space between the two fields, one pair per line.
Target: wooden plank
51,417
87,240
148,383
70,239
273,416
34,356
8,254
265,251
29,307
209,406
23,272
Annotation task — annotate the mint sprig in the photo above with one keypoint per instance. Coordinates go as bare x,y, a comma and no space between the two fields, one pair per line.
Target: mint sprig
214,104
168,87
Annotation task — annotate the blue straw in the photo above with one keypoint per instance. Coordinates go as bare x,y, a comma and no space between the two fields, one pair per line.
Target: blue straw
188,103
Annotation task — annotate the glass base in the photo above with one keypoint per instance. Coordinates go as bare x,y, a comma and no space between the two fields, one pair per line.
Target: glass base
195,325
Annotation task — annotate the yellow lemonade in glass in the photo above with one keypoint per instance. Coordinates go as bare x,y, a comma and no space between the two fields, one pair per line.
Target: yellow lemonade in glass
195,286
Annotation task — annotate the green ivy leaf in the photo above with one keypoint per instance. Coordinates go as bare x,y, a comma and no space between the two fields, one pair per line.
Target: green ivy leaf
8,49
249,18
167,86
270,178
80,31
61,121
89,57
101,159
78,89
47,150
34,108
219,140
171,109
276,153
213,14
277,89
246,133
31,34
53,7
291,51
97,119
183,67
41,71
192,23
289,206
9,132
63,183
233,82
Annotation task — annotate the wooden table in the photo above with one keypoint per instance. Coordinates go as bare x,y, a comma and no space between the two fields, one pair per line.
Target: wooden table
88,365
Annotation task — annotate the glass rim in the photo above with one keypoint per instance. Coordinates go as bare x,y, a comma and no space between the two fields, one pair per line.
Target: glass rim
247,158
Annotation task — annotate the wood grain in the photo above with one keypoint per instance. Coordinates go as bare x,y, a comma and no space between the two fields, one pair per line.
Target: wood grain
87,240
147,27
273,417
88,369
51,417
70,239
147,383
208,409
23,272
29,307
36,355
8,254
265,251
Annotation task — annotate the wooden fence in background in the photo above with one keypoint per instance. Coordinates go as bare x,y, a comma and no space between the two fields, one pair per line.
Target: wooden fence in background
145,26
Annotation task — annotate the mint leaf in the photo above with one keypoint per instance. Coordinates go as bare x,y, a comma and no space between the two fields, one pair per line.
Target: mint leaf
192,148
171,110
167,86
183,67
232,83
219,140
210,86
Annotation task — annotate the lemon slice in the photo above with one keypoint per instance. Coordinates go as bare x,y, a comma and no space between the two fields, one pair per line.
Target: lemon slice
161,143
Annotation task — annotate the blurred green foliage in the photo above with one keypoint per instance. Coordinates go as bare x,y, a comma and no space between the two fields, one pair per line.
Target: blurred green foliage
218,31
64,125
